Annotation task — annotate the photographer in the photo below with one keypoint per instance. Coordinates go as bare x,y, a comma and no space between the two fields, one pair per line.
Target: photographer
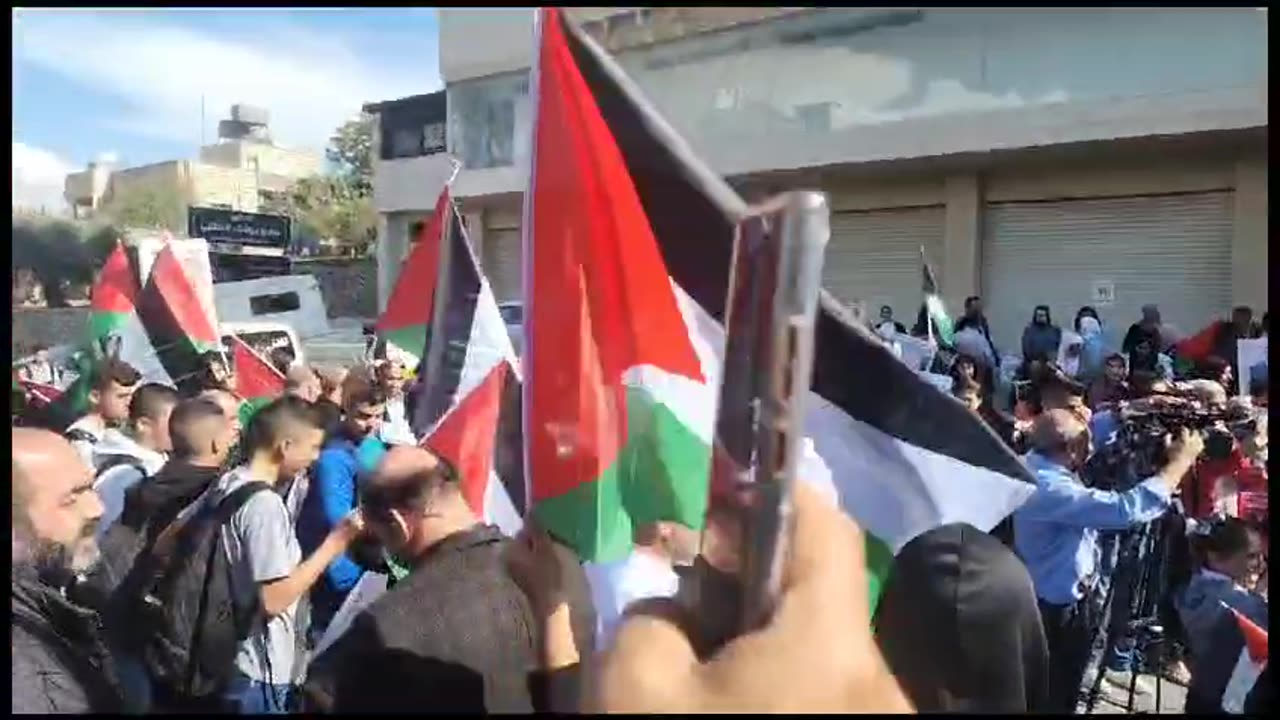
1227,470
1056,534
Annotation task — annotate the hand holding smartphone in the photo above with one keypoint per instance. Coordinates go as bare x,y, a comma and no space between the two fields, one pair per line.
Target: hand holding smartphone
770,314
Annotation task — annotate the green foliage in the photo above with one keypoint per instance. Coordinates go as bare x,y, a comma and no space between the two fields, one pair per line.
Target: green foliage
337,207
351,151
328,207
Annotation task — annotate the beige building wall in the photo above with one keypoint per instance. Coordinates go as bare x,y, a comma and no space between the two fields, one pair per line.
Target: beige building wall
270,159
215,185
194,183
175,175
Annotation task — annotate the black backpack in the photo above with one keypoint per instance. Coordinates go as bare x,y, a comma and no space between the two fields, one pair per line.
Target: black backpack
194,624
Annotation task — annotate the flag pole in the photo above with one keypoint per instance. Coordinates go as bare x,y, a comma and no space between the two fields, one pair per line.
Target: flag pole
526,259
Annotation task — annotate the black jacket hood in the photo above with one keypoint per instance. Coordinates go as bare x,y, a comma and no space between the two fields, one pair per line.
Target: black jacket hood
163,495
959,625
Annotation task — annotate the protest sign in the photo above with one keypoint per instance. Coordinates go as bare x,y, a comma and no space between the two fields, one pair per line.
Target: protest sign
1252,361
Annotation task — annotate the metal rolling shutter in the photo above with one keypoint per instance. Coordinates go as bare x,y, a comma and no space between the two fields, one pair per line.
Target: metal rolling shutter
874,256
502,262
1170,250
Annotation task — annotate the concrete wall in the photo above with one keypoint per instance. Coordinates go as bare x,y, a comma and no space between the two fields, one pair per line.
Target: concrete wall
964,187
46,326
195,183
349,286
270,159
216,185
945,82
409,183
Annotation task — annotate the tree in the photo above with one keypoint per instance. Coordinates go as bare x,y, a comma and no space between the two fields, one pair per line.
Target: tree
337,207
55,253
351,150
147,206
330,208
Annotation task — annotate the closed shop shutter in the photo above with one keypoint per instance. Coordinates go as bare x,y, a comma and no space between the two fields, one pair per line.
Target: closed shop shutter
1170,250
502,263
874,257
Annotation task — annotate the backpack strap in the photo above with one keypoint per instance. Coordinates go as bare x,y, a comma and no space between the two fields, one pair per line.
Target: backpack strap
222,512
77,435
110,462
236,499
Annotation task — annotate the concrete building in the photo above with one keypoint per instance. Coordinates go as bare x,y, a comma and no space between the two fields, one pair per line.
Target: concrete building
238,172
1112,157
410,166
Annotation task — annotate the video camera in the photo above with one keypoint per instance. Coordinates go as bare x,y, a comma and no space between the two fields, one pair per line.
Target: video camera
1141,446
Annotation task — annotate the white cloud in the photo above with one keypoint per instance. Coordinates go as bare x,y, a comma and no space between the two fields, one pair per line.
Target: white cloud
310,84
38,178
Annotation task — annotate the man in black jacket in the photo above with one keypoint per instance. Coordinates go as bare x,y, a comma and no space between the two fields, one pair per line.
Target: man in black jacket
457,634
60,663
202,438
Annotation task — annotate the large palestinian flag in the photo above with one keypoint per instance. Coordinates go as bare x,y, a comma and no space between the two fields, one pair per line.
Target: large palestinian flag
468,363
405,320
628,239
178,330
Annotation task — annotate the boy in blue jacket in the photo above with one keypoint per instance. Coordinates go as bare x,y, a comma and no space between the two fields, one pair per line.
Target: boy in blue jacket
333,493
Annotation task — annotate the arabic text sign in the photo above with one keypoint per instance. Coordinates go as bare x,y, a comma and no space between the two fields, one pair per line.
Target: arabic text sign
217,225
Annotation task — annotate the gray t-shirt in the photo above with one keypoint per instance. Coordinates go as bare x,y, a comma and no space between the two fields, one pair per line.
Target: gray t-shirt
261,546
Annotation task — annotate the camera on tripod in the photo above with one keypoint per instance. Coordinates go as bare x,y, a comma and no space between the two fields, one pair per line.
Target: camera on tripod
1141,445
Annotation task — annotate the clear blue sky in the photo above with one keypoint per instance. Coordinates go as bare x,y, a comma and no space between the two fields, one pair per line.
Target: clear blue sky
129,83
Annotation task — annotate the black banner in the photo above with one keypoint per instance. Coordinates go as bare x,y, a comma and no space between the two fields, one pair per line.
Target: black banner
229,227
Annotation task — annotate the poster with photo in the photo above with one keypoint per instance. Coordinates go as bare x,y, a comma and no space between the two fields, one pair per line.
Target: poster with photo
1252,361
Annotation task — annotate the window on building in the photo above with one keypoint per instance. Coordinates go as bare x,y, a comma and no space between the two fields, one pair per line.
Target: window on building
413,127
483,118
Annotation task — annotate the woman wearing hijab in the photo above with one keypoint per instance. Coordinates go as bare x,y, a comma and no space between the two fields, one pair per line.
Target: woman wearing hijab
1093,353
959,626
1041,339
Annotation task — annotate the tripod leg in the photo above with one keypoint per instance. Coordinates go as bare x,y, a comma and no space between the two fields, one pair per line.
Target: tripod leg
1107,648
1133,689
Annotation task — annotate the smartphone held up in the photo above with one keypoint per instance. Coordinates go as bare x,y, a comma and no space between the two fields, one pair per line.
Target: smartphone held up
772,303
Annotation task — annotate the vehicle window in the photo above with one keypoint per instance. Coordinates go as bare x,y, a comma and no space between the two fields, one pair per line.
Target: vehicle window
263,342
277,303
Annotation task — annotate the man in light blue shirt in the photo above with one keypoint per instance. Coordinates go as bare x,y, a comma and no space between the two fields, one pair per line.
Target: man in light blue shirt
1056,534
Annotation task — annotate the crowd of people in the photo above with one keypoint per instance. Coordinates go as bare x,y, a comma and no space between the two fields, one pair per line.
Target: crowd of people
193,552
1071,399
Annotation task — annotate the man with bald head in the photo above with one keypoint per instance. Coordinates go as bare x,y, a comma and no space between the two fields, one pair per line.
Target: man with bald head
1056,533
60,663
455,635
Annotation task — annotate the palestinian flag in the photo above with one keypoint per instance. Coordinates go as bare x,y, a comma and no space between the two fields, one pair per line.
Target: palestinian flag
1248,666
468,362
178,332
628,240
255,376
404,322
114,328
936,313
115,324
